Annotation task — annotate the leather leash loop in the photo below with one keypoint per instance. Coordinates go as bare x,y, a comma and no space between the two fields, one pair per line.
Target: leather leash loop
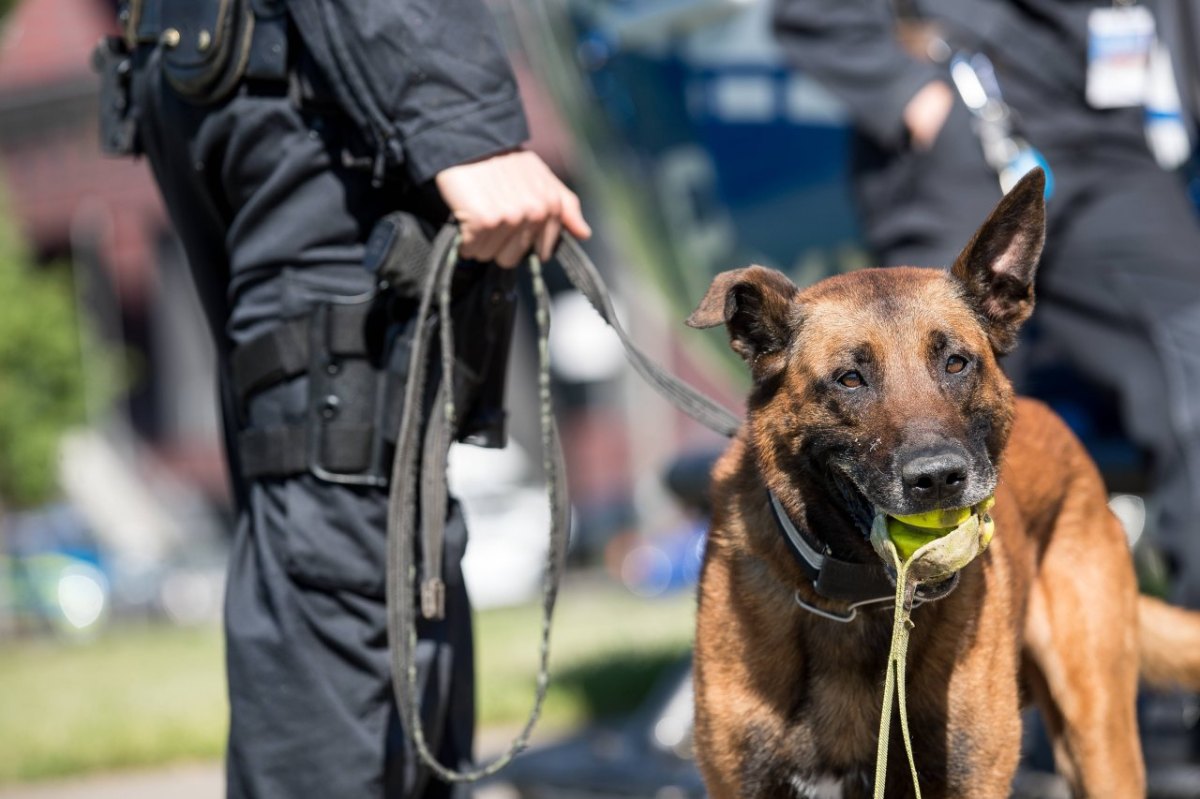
402,570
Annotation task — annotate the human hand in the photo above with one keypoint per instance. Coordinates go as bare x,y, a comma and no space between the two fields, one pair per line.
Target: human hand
508,204
926,113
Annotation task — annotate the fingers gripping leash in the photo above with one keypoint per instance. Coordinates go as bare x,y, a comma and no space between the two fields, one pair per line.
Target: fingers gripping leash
402,572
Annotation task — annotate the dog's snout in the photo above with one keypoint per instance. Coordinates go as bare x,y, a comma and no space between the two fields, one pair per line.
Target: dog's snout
937,477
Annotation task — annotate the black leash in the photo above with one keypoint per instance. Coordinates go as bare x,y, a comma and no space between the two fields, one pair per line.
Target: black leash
402,576
583,275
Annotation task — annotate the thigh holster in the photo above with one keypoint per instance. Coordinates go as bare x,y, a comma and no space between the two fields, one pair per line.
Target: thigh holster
355,357
342,435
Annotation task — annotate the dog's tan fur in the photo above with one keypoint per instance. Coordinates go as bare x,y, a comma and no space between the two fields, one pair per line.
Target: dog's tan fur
785,699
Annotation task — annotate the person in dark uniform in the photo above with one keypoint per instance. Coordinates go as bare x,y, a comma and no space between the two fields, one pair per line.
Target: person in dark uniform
1119,282
279,133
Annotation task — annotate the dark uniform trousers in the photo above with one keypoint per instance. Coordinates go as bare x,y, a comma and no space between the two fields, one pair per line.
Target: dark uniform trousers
1118,286
273,222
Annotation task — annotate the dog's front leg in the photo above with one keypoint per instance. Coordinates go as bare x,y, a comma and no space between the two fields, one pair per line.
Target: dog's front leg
739,731
746,756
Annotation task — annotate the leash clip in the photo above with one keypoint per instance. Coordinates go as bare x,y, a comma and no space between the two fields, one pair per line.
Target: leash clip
938,591
842,618
846,618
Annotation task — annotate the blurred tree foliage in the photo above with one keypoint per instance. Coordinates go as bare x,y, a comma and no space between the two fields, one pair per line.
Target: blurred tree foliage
41,374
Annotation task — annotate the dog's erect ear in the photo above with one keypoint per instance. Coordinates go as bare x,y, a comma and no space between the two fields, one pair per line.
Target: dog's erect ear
755,305
997,267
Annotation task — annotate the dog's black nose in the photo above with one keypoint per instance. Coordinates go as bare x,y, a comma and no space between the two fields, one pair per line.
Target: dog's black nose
939,477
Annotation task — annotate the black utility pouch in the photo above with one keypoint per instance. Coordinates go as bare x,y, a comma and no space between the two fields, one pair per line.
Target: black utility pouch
206,46
118,131
483,307
484,312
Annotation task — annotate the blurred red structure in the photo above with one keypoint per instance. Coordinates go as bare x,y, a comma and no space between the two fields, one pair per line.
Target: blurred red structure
54,173
104,215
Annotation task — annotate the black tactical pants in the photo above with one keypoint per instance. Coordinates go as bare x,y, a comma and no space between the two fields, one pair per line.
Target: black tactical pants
1118,287
273,222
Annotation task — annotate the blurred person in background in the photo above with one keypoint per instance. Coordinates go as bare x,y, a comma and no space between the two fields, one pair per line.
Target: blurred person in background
279,133
953,100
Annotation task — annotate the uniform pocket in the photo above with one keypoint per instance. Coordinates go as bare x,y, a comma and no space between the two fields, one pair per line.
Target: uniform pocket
333,536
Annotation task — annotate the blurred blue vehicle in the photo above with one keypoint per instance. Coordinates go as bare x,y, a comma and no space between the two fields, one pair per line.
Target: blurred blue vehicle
709,150
53,576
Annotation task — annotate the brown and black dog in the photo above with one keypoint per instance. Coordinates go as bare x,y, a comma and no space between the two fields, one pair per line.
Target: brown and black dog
879,392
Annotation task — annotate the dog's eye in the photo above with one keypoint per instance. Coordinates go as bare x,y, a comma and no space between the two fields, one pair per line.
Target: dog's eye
851,380
955,364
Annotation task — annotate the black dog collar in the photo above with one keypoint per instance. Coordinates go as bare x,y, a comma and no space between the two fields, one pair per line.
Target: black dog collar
843,580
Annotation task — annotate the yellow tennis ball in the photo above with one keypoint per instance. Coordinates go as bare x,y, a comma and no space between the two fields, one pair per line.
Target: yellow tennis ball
909,538
937,519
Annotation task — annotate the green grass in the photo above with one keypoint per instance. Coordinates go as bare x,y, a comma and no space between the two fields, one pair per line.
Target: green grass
145,696
132,697
606,649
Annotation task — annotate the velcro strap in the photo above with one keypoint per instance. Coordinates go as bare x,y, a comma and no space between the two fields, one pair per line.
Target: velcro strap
284,351
271,358
283,450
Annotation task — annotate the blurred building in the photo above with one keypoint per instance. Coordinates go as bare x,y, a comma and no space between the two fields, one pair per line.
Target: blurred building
104,216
